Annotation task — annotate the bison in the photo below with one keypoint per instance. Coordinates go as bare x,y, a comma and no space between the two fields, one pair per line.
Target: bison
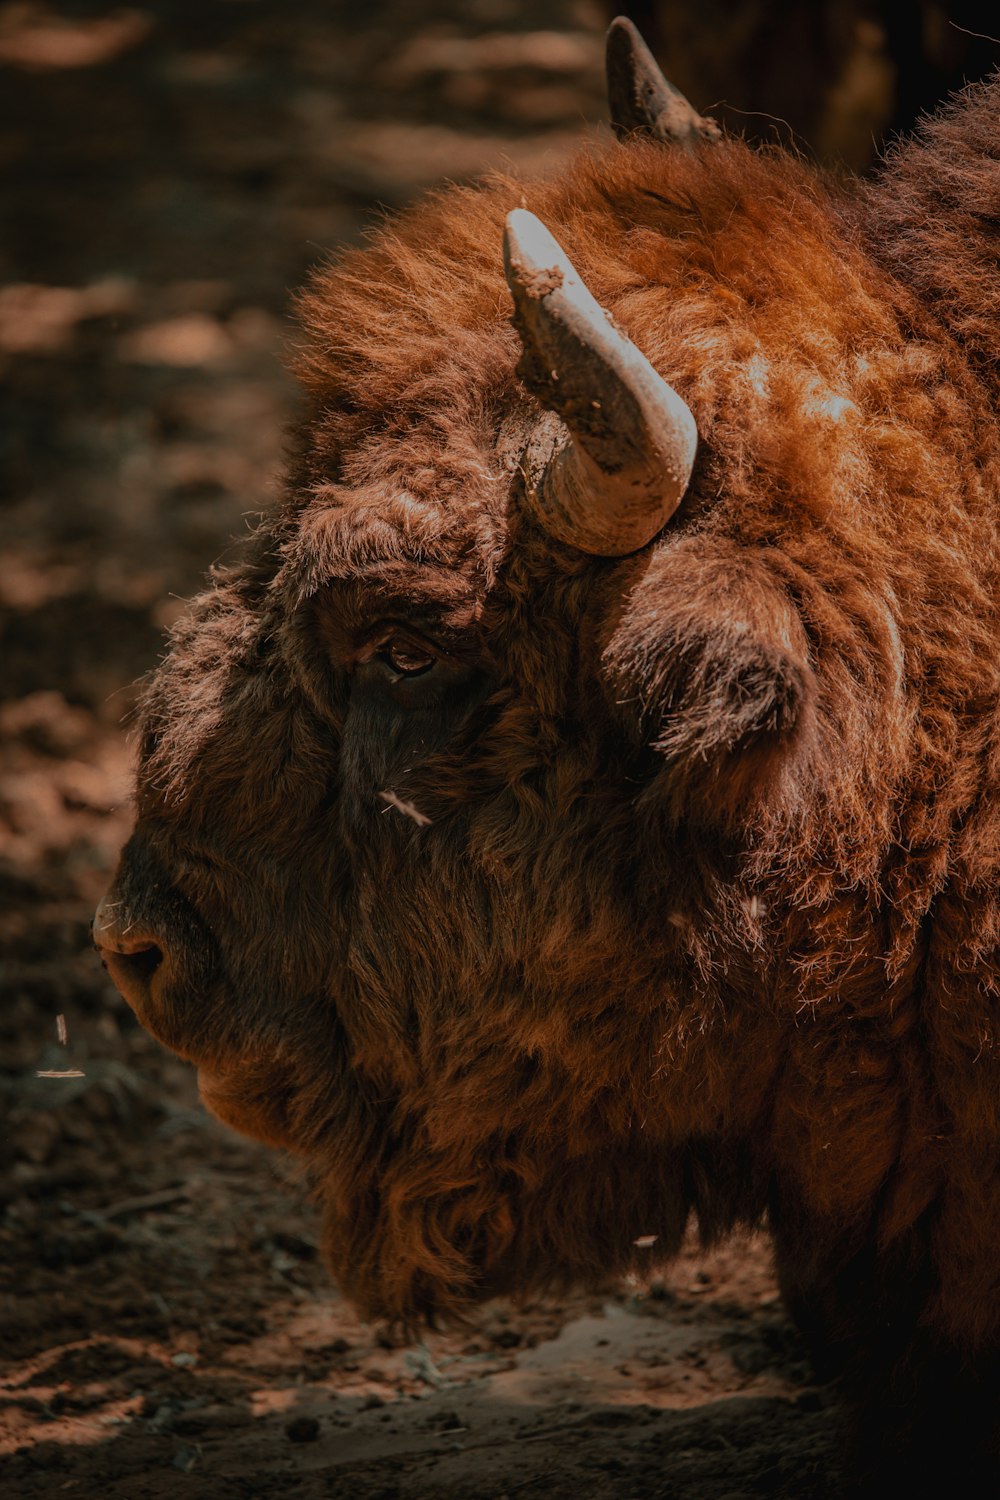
579,811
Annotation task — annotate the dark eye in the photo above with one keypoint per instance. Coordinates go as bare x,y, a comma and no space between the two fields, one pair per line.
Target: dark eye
405,658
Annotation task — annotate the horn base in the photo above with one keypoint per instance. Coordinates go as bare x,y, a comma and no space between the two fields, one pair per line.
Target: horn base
561,478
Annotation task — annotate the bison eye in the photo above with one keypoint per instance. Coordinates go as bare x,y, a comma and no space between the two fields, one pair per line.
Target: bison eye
405,658
408,693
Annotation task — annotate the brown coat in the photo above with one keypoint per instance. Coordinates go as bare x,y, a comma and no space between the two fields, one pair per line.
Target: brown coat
705,916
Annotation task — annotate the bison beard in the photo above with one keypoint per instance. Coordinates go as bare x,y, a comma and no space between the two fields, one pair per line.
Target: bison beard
546,867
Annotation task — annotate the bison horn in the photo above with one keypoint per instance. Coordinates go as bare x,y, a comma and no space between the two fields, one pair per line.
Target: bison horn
610,471
640,98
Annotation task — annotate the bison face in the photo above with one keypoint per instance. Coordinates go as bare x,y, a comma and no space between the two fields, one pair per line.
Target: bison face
410,854
473,808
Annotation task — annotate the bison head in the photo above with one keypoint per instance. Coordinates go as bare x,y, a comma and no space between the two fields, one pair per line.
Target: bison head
487,814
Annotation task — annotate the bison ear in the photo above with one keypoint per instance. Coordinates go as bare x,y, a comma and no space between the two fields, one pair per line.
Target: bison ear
641,99
709,662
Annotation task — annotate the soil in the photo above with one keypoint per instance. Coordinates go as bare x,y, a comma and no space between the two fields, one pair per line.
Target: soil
171,170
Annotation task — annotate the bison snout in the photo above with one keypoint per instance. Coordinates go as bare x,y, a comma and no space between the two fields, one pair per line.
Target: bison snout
132,957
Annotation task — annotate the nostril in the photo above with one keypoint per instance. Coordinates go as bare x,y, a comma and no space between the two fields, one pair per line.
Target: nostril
133,966
141,957
142,962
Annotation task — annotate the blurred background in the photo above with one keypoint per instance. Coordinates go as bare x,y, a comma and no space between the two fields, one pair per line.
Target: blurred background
169,170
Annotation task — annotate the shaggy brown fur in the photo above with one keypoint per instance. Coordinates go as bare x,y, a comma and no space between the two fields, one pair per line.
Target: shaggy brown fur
706,915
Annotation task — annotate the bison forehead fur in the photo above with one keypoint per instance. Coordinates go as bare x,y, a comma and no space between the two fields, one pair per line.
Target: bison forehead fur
542,898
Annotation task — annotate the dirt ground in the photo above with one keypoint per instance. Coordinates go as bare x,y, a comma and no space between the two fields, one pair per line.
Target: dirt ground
170,171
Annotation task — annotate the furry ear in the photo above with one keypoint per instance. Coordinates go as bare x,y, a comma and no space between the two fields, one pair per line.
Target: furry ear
709,662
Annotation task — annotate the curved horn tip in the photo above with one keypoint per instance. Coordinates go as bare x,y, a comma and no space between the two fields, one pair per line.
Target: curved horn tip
616,465
624,33
532,255
641,99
